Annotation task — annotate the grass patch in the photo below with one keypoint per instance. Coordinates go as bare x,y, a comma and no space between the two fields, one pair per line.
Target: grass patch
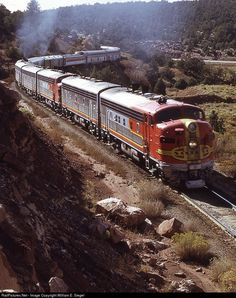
224,272
152,209
224,91
225,154
27,113
95,151
153,197
228,281
225,151
153,191
191,225
191,246
89,193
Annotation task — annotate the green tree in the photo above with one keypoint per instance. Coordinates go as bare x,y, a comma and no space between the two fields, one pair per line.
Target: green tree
160,87
181,84
33,8
13,53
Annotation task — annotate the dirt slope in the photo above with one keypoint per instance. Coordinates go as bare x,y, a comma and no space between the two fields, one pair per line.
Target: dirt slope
45,232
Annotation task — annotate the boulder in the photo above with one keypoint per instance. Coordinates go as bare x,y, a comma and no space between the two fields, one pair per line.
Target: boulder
57,285
118,210
169,227
156,278
180,274
147,245
147,227
115,234
8,278
129,216
105,230
107,205
188,286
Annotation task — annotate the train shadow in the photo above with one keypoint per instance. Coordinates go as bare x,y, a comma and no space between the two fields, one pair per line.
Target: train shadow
205,195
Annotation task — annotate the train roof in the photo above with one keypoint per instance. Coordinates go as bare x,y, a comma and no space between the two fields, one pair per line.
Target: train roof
121,95
42,58
91,85
32,68
20,63
53,74
140,103
94,52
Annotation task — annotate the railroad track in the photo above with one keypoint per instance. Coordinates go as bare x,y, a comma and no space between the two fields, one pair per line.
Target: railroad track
217,207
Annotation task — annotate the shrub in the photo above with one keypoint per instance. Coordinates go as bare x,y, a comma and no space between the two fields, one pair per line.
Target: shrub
160,87
152,209
27,113
181,84
3,73
191,246
192,82
228,280
13,53
225,153
153,192
167,73
152,197
218,267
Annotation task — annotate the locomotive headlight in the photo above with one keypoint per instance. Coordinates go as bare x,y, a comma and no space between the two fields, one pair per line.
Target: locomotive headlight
192,127
192,144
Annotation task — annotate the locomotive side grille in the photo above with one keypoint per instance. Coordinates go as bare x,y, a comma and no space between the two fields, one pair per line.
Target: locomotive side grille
127,112
79,92
28,73
45,79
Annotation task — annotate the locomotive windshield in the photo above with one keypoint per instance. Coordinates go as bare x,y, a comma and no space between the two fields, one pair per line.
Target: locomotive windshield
174,113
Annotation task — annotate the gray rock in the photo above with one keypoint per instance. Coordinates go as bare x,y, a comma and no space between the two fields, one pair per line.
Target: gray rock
119,210
105,230
57,285
129,216
169,227
188,286
147,226
155,277
180,274
107,205
115,234
25,211
147,244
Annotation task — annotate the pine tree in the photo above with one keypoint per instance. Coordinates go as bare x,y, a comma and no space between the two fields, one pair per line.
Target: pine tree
33,8
160,87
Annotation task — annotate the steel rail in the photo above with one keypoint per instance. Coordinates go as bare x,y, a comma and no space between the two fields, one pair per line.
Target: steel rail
218,221
221,197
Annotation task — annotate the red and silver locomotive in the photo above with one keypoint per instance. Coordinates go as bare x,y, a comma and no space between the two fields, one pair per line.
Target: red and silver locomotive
170,138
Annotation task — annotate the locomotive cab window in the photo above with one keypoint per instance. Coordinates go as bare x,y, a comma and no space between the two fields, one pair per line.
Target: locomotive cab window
193,113
175,113
168,115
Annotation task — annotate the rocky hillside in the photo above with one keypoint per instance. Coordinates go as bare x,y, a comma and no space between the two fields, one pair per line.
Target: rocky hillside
44,226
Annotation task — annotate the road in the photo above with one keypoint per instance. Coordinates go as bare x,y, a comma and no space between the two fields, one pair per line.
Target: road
225,62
